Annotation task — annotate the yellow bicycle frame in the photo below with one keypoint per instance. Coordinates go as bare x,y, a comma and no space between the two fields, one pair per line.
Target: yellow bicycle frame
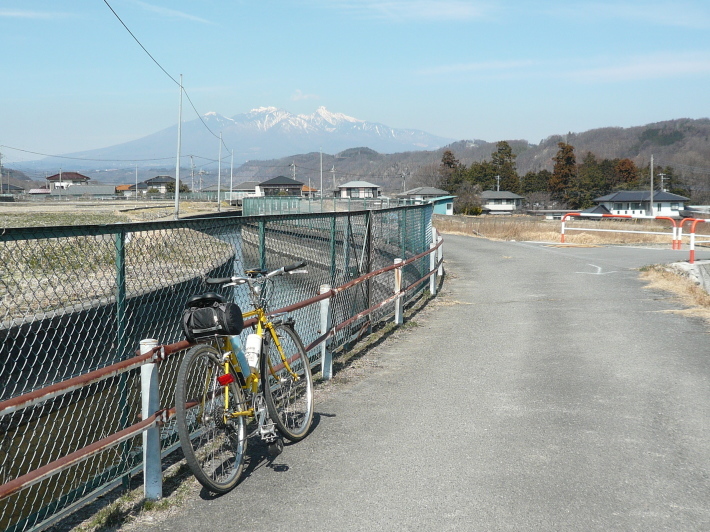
252,382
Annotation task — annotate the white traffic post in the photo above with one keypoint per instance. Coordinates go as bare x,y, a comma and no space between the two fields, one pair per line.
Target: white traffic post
398,303
150,404
326,356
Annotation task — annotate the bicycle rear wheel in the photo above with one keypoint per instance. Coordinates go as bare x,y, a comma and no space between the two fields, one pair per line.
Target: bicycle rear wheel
213,445
289,398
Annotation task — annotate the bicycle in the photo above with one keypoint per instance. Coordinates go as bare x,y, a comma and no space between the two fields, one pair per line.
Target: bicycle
225,395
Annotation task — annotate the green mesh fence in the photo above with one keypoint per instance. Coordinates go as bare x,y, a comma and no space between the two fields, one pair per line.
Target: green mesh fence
75,299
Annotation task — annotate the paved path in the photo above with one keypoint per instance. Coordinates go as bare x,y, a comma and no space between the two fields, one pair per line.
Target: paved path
546,389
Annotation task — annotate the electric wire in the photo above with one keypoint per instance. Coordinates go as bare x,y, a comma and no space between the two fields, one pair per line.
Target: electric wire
182,88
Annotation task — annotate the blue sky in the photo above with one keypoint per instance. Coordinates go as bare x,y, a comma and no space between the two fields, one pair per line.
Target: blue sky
74,79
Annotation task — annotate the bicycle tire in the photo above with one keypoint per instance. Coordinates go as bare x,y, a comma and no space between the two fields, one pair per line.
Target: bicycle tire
214,449
289,401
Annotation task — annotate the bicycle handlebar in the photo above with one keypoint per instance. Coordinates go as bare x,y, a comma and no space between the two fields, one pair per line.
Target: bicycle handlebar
239,280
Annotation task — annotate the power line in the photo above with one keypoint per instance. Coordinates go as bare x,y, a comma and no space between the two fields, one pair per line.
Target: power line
139,44
165,71
85,159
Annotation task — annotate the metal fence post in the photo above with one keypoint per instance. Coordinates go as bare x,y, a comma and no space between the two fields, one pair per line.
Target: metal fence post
121,343
440,256
262,244
432,267
150,404
398,303
333,269
326,356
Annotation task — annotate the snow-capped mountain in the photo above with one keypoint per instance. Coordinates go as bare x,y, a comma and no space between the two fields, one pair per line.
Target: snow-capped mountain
265,133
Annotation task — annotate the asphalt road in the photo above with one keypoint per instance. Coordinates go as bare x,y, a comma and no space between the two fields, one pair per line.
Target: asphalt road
544,389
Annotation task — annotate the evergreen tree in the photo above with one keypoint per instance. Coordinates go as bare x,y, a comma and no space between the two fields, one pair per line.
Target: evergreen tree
564,171
627,174
450,172
535,182
587,185
503,161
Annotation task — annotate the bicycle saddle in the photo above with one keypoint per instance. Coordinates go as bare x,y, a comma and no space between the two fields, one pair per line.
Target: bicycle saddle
205,300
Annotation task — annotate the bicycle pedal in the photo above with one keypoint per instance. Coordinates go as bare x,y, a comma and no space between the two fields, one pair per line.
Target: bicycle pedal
276,447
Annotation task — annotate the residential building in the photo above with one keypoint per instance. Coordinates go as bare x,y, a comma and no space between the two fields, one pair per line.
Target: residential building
500,202
358,189
423,193
637,203
159,183
279,186
9,188
64,180
103,191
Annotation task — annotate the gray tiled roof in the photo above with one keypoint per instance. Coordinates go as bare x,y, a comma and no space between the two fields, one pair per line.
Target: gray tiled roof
640,196
499,194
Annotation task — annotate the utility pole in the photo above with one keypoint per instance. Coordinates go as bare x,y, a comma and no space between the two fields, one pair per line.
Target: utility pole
333,172
201,173
8,177
651,198
231,178
497,183
321,179
293,170
192,175
219,172
177,162
136,182
662,176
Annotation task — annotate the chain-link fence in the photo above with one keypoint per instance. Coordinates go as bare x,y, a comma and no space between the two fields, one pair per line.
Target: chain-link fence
76,299
297,205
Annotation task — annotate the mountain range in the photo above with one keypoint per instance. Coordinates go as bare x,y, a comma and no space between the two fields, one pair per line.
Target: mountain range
262,133
275,142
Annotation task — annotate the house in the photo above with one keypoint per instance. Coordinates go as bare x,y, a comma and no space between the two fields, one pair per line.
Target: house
500,202
309,192
160,183
423,193
636,203
9,188
94,191
279,186
442,200
67,179
358,189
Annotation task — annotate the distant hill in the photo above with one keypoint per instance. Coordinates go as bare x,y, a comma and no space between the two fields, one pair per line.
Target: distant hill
683,144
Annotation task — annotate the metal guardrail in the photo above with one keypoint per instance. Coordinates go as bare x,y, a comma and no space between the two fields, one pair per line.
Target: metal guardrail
79,300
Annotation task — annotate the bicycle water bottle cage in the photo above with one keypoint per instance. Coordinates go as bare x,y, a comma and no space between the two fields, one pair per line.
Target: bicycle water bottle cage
205,300
255,272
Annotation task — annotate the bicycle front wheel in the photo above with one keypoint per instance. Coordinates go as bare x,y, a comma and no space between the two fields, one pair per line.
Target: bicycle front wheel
213,443
289,394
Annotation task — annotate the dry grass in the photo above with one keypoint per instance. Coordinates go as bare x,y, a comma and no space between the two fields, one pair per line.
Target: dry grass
527,228
685,290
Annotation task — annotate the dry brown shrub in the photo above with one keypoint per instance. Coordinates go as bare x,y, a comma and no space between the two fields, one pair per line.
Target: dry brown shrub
685,290
528,228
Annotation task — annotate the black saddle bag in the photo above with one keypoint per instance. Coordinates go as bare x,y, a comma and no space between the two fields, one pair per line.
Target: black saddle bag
206,317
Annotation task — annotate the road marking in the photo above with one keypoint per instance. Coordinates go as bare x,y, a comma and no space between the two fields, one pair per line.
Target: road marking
598,272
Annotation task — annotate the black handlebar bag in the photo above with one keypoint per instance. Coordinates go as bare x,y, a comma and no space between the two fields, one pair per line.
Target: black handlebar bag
209,315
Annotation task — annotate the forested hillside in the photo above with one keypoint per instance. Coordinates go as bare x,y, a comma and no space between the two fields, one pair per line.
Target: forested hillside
681,150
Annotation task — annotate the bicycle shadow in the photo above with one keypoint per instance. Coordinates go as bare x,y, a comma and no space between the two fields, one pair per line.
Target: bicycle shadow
258,457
